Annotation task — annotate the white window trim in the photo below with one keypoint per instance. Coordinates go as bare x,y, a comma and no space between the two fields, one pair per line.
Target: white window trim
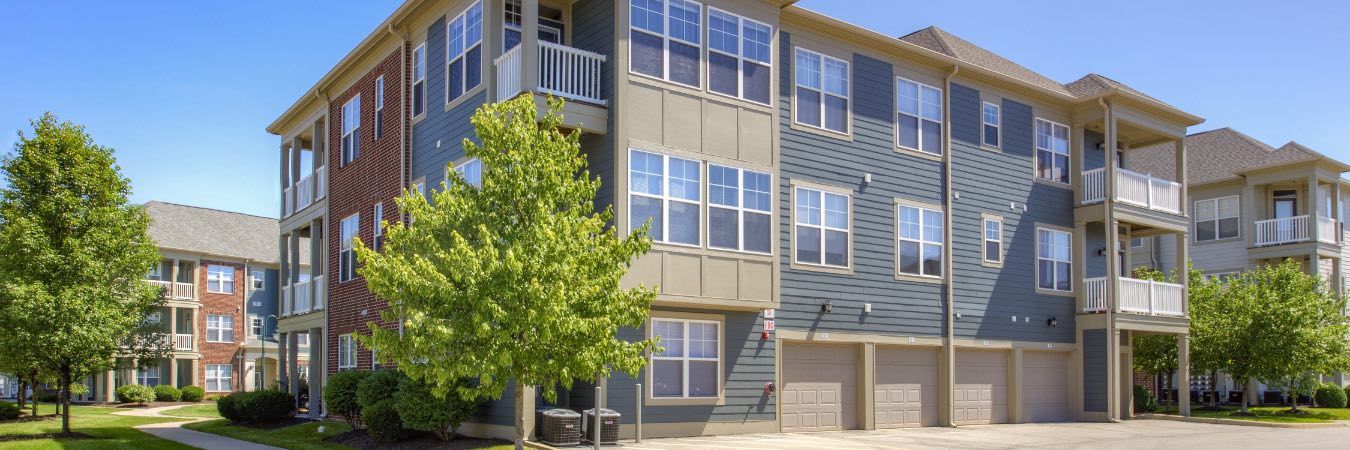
377,228
420,77
1070,261
450,59
740,57
459,168
1195,213
740,209
666,198
941,105
345,246
998,127
921,241
796,221
684,394
218,280
351,114
257,282
1141,242
848,83
1037,149
984,240
346,351
227,380
666,39
143,376
220,328
302,339
379,107
255,325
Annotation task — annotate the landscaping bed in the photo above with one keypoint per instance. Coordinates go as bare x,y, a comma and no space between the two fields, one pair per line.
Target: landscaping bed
1275,414
361,440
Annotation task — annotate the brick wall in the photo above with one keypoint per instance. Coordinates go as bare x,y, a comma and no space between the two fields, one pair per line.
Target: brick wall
376,176
1147,381
221,304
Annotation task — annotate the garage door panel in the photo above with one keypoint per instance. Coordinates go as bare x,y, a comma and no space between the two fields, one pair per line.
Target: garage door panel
906,387
819,387
1046,386
981,392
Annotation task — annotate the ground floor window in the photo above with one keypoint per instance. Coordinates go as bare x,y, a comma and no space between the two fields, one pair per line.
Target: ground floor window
688,365
346,352
218,377
148,376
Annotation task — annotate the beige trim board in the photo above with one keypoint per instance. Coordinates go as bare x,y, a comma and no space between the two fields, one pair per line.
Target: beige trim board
688,429
854,338
994,344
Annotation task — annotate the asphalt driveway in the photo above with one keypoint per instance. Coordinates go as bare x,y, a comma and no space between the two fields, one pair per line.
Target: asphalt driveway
1130,434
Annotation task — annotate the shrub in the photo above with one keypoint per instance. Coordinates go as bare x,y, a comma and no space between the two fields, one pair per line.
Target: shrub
420,409
382,422
167,393
267,405
8,411
381,385
339,396
1347,395
135,393
46,395
1144,401
228,407
192,393
1330,396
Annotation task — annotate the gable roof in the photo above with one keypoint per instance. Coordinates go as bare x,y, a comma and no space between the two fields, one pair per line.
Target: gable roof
940,41
1218,155
215,232
1093,85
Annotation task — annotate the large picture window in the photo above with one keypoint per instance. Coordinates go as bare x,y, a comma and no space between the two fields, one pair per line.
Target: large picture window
464,52
688,366
822,228
1217,218
919,241
1052,151
738,56
351,130
219,377
669,50
666,191
1054,262
822,91
918,116
219,328
347,256
219,279
739,209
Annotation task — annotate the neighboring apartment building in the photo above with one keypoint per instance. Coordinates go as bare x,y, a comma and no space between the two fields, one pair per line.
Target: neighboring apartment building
1253,204
852,230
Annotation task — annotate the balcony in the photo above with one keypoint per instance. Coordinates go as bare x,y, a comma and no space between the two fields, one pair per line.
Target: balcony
183,342
1145,297
297,298
1289,230
1135,189
176,291
566,72
306,191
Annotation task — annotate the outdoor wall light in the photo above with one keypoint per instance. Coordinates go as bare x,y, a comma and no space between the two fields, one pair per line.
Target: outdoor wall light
1053,322
827,307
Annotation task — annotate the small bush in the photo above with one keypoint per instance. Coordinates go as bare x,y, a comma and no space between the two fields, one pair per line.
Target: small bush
339,395
135,393
192,393
228,407
1330,396
46,395
8,411
381,385
1144,401
167,393
267,405
421,409
382,421
1347,395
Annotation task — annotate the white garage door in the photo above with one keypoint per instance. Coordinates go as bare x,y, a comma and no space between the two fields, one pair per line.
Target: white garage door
1045,391
907,387
820,387
981,394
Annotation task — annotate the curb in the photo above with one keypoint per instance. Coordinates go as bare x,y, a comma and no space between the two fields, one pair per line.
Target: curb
1243,423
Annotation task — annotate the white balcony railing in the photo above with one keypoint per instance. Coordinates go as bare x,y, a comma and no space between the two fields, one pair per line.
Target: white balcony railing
287,300
180,291
297,298
1327,229
306,191
183,342
167,286
320,292
1284,230
302,297
564,71
288,198
1134,188
321,185
1136,296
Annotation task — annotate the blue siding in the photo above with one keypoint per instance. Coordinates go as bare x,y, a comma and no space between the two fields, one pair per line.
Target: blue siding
594,31
1094,370
898,307
1093,158
451,127
263,302
990,182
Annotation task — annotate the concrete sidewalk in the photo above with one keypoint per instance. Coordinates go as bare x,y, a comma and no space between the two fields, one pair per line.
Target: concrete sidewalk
174,431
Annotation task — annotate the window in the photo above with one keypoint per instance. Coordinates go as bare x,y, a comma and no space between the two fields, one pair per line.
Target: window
346,352
666,52
919,241
738,56
347,257
219,279
255,325
219,328
1052,151
259,280
1137,242
148,376
993,240
1217,218
688,366
918,116
219,377
155,273
302,339
379,107
419,89
822,91
665,190
822,228
351,130
739,203
992,119
471,171
377,228
464,52
1053,260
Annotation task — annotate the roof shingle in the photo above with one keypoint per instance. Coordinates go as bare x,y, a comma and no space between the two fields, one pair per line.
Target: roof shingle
216,232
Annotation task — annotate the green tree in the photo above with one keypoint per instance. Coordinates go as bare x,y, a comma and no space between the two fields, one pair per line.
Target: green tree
73,252
516,280
1156,355
1200,299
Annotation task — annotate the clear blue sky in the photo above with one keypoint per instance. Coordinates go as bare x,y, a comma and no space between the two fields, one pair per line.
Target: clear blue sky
183,90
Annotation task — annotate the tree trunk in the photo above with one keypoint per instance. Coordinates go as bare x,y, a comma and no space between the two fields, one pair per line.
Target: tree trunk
1246,395
23,391
520,416
63,397
1214,388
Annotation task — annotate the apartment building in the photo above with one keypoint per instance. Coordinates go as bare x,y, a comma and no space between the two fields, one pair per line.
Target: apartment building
1253,204
853,230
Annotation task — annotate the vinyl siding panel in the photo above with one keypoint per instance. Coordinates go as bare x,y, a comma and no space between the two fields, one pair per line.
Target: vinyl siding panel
1221,255
449,128
1094,370
263,302
594,31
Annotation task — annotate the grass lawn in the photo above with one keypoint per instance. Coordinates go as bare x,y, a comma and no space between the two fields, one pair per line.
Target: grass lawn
107,431
1269,414
203,410
303,436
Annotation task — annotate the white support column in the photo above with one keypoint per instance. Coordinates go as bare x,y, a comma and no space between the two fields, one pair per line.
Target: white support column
1314,215
1180,155
529,45
316,260
293,355
283,364
1112,231
197,372
1249,215
1184,374
109,386
316,372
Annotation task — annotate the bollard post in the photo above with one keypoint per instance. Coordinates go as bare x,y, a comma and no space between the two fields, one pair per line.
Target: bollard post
595,438
637,432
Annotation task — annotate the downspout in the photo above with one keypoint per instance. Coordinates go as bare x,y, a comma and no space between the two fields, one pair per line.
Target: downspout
1112,272
950,348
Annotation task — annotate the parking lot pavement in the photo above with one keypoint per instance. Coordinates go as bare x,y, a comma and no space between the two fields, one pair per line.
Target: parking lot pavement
1130,434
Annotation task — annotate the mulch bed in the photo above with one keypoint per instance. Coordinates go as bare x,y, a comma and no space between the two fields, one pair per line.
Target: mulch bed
37,418
149,405
360,440
29,437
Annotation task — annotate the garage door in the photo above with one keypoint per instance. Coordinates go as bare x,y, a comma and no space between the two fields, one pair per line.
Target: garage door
820,387
907,388
1045,392
981,394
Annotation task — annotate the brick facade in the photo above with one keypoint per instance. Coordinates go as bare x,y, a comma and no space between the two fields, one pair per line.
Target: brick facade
377,175
1147,381
221,304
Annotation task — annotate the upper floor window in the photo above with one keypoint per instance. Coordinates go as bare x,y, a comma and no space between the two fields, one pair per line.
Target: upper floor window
738,56
156,272
255,325
822,228
464,52
219,328
1054,249
379,107
346,352
347,256
739,205
688,365
377,228
993,240
471,171
669,51
1052,151
666,191
351,130
1217,218
822,91
219,279
918,116
1137,242
419,89
920,241
259,279
992,118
